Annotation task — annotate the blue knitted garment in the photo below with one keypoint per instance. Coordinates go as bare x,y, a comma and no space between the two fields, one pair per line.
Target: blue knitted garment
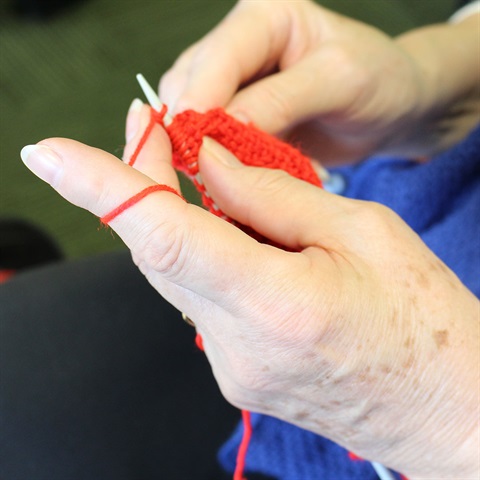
440,200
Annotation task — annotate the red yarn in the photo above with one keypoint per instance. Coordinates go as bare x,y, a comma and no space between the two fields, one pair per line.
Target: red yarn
199,342
242,450
352,456
6,274
106,219
155,117
249,144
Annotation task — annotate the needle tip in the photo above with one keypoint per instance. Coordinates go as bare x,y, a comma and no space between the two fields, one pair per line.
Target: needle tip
152,97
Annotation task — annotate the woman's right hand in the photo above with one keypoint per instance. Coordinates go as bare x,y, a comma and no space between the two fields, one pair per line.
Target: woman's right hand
340,89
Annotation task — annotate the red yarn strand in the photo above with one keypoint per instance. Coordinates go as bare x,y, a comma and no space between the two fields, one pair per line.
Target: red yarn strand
199,342
143,140
242,450
5,274
155,117
106,219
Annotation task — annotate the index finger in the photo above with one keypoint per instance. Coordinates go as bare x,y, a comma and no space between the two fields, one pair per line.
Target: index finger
172,240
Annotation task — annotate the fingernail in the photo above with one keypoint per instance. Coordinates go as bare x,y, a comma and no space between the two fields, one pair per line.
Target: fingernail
219,153
42,161
133,119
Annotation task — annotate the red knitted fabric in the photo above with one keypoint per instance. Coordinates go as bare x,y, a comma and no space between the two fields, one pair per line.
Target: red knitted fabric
249,144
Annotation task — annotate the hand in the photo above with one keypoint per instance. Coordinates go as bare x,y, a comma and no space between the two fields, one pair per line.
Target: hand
363,336
340,89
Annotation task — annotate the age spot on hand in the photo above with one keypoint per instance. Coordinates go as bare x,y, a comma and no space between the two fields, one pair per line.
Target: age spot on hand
441,338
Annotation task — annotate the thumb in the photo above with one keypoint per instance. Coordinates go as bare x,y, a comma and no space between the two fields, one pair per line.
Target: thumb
289,211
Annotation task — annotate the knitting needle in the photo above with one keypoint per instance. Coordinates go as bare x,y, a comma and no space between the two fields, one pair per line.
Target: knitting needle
382,472
152,98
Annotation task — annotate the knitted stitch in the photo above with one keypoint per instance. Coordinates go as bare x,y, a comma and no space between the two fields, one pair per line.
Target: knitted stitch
250,145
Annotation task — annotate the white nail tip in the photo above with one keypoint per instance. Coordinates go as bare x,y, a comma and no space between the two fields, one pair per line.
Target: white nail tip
42,161
26,151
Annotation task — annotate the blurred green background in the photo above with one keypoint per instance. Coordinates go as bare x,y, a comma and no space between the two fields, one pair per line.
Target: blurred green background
73,75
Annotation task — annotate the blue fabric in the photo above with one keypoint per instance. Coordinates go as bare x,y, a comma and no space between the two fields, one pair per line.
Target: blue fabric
440,200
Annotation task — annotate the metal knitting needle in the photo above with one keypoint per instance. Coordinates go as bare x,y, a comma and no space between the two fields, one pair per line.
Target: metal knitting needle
152,98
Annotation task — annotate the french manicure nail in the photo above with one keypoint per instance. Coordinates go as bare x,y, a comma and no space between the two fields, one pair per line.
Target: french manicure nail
133,119
42,161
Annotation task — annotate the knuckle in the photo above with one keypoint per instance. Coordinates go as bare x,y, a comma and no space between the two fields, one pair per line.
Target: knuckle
375,213
349,71
161,250
373,217
100,195
272,181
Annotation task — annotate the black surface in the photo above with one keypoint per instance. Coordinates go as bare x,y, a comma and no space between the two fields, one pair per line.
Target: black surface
100,379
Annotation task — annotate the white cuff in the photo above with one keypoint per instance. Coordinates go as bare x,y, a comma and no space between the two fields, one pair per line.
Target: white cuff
471,9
